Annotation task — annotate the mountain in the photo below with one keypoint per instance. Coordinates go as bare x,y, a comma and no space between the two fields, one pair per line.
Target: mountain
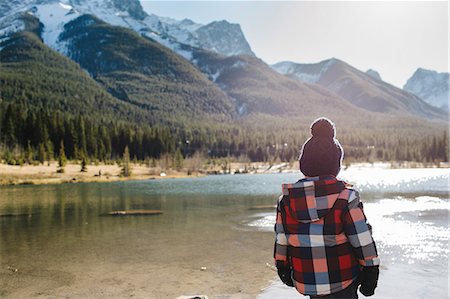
32,73
140,71
430,86
359,88
256,88
221,37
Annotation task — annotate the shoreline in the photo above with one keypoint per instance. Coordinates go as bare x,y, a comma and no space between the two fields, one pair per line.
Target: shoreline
11,175
44,174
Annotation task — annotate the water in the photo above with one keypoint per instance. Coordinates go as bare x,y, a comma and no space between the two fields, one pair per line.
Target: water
210,239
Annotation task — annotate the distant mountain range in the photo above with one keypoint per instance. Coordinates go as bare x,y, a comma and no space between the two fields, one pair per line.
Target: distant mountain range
365,90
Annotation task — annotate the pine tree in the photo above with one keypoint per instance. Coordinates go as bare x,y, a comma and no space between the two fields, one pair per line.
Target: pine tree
62,160
178,160
29,153
42,155
126,170
83,164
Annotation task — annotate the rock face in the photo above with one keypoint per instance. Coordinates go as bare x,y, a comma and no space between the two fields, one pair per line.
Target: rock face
431,86
133,7
223,38
374,74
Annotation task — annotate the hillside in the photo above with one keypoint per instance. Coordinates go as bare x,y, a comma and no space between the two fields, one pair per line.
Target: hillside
39,77
256,88
140,71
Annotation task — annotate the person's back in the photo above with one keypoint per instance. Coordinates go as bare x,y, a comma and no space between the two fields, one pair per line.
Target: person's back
324,245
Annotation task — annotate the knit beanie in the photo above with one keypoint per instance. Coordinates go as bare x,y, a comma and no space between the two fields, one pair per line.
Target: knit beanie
322,153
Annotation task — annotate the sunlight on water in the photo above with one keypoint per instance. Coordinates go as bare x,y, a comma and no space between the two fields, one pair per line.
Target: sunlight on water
398,180
417,226
368,179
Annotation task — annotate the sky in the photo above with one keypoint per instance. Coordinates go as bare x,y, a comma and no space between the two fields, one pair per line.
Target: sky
392,37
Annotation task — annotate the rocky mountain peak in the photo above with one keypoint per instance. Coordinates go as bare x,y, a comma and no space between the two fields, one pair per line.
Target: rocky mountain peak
374,74
430,86
224,38
132,7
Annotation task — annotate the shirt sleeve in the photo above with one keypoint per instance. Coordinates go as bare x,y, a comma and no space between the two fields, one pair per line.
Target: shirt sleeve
280,248
359,232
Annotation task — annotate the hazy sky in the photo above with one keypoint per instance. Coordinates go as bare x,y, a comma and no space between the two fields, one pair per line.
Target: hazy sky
394,38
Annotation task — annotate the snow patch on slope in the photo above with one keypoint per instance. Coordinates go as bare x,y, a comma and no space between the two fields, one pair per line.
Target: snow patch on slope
310,73
54,16
14,25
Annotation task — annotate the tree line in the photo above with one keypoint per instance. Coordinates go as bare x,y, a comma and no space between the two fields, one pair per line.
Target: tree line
30,134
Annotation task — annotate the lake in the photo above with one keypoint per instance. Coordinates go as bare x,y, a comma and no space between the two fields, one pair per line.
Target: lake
213,237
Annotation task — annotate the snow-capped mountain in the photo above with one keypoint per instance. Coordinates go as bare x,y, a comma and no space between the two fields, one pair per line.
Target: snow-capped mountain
431,86
221,37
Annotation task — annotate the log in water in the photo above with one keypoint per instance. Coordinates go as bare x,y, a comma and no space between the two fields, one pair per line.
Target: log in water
134,213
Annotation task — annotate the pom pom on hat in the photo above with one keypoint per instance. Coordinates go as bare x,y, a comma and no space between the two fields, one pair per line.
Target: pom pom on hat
323,127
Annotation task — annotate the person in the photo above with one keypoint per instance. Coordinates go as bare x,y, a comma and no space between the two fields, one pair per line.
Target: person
324,246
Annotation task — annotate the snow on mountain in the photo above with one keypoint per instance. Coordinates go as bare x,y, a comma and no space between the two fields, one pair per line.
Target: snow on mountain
310,73
431,86
54,16
221,37
374,74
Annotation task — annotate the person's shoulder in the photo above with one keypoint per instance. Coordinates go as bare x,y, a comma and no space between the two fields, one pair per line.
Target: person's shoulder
350,193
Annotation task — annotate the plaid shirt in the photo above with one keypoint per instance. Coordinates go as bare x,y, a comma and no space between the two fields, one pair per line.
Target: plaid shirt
323,235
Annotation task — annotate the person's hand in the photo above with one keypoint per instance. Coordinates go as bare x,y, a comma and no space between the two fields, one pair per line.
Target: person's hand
368,280
284,272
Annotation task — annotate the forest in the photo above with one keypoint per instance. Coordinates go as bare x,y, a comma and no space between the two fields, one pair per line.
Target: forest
30,135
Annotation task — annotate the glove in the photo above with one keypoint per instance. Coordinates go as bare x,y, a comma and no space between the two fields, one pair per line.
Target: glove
368,280
284,272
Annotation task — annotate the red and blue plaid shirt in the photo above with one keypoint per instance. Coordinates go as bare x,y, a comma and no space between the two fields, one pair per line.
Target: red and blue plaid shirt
323,235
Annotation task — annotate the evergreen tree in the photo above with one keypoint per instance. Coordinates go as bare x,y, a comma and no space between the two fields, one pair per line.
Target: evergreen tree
29,153
42,155
83,164
178,160
62,160
126,169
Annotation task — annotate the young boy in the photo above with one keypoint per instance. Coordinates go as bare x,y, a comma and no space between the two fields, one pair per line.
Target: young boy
324,246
